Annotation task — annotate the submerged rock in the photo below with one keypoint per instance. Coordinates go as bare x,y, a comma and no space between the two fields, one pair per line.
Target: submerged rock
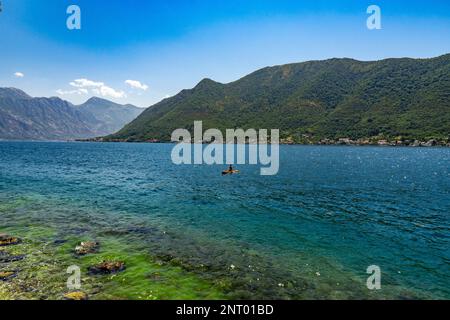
142,230
76,296
107,267
6,240
5,257
87,247
7,275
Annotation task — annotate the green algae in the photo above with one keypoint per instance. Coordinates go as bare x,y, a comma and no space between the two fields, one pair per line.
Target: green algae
43,271
48,254
36,272
143,277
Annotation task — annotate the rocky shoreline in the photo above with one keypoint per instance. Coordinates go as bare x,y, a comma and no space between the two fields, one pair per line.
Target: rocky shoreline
390,143
322,142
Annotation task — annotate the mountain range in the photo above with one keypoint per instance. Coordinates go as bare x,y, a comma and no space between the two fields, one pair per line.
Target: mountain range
23,117
337,98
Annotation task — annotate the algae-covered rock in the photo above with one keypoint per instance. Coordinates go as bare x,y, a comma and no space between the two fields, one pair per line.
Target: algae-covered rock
87,247
76,296
7,275
5,257
7,240
107,267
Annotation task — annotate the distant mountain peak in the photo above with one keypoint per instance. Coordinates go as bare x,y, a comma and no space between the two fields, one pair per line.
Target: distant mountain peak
97,100
206,83
13,93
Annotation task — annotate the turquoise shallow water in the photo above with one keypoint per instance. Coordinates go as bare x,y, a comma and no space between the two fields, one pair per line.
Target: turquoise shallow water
309,232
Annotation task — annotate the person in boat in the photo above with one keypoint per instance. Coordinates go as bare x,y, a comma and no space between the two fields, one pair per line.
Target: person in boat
229,171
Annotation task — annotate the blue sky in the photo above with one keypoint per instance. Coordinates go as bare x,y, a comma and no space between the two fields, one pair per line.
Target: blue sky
170,45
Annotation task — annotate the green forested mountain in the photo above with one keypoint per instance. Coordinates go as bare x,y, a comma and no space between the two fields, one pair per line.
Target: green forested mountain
337,98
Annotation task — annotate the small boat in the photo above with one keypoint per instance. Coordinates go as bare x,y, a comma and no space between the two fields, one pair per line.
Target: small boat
229,172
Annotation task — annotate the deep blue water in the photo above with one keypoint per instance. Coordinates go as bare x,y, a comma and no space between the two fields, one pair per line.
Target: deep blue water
329,213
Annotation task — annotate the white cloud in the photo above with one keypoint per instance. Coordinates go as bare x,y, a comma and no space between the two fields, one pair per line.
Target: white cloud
110,92
85,83
136,84
66,92
19,75
98,88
